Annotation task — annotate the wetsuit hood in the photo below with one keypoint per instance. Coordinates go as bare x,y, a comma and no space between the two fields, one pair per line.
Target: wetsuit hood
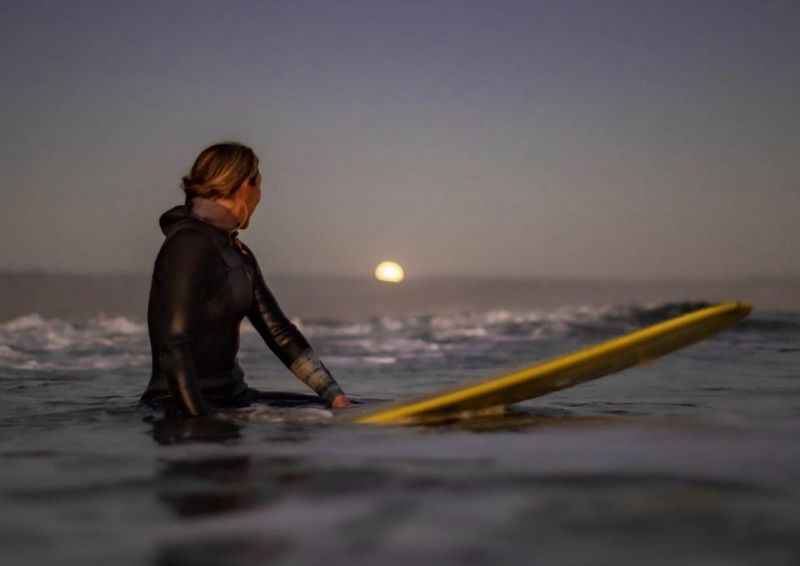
173,216
204,210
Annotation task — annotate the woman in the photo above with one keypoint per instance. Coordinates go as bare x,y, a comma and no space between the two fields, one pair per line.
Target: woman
205,281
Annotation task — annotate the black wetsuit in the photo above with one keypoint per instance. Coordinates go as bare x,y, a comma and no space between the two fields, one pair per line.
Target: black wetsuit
205,281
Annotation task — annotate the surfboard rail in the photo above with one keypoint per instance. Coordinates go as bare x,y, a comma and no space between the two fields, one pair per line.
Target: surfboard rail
636,348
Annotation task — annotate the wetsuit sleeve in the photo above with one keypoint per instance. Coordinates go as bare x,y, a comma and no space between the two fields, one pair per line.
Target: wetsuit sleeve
182,270
286,341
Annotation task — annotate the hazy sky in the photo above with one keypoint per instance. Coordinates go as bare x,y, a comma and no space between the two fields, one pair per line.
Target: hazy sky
561,138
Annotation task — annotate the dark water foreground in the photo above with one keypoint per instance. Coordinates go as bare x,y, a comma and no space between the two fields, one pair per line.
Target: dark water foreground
555,490
691,460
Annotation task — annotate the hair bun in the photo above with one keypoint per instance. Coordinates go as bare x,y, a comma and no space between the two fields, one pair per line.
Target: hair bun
219,170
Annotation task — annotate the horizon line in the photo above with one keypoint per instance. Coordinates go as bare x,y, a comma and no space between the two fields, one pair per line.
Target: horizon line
744,278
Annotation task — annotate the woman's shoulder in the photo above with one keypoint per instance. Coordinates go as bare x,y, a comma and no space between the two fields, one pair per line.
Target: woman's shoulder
189,242
190,233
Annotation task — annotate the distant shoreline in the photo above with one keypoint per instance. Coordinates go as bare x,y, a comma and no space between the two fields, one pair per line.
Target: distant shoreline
672,279
79,296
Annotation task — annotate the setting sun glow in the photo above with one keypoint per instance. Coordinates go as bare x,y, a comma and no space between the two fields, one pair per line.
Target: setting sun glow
389,272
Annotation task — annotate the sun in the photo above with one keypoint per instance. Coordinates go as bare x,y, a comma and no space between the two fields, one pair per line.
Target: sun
389,272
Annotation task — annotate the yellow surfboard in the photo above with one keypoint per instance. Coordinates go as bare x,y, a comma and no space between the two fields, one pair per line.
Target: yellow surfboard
558,373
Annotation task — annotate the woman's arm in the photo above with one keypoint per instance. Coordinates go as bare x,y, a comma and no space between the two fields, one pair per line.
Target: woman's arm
180,274
286,341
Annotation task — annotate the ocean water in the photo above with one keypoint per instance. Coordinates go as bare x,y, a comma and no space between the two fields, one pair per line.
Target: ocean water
693,459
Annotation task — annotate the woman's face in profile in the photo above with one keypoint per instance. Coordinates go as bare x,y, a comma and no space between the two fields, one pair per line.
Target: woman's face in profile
251,194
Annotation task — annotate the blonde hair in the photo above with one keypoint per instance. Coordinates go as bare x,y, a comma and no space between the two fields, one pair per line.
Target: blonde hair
219,170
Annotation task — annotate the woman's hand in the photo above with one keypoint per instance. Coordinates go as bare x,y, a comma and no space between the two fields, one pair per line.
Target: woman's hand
340,402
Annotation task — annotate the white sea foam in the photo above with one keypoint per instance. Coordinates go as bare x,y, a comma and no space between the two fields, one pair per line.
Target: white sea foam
118,325
313,330
103,342
265,414
27,322
467,332
79,363
349,361
9,353
394,324
397,345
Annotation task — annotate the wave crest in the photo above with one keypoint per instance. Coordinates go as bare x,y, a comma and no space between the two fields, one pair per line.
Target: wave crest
102,342
106,342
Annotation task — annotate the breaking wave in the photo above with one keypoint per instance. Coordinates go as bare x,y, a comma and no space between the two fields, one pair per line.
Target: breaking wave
497,323
103,342
108,342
